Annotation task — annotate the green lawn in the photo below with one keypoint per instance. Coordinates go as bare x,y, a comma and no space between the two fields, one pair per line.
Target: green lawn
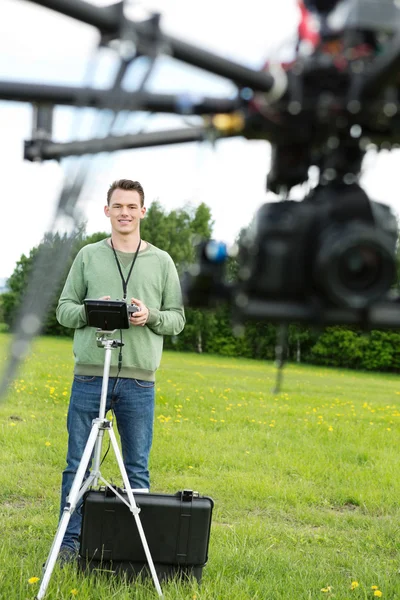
305,483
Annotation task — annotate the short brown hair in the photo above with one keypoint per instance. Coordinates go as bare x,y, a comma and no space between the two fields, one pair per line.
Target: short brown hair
128,185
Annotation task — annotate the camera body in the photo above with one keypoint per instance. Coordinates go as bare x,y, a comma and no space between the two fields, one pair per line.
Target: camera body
328,259
335,247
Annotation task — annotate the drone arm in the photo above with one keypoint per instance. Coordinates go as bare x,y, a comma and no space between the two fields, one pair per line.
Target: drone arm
115,99
108,21
45,150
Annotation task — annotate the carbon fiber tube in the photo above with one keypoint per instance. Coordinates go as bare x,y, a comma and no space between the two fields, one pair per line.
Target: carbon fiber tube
108,20
117,100
44,150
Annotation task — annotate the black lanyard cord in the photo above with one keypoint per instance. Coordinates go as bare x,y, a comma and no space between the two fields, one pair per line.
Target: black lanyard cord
124,288
125,281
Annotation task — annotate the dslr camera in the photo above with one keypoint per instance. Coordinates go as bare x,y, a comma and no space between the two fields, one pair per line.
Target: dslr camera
335,247
329,259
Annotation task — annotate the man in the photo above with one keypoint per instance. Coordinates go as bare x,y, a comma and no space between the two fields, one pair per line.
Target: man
122,266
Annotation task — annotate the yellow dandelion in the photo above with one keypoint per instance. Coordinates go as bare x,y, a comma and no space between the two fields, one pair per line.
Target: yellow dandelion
377,593
12,424
74,592
326,589
190,467
374,587
33,580
47,444
354,585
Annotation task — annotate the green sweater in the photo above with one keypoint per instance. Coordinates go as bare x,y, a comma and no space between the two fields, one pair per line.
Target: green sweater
154,280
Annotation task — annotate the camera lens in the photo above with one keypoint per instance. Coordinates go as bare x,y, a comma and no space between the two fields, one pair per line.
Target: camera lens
355,265
359,268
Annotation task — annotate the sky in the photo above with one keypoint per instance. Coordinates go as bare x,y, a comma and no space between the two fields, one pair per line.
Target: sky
42,46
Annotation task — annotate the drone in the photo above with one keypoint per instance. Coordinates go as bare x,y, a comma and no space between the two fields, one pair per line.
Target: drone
327,259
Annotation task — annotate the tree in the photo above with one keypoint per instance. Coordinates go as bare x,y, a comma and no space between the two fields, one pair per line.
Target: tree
201,224
352,348
18,282
202,321
16,285
177,233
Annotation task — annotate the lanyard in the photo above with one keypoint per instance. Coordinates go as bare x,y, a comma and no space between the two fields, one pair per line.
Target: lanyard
125,281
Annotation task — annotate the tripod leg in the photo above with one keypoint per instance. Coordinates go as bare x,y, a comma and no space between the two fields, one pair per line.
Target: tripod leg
134,510
73,498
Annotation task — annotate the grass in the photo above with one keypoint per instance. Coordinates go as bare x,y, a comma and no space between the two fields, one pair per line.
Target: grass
305,482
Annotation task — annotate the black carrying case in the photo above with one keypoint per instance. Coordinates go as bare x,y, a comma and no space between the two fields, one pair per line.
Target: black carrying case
177,529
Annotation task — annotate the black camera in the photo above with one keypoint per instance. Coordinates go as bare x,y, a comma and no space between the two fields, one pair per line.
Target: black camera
330,258
336,246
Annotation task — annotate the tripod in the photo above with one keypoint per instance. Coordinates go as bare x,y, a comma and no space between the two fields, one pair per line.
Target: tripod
79,486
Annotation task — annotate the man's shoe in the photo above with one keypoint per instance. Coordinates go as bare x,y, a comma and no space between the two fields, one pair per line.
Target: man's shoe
66,556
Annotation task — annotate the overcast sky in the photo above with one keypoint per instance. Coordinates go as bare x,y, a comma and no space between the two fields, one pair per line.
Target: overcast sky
42,46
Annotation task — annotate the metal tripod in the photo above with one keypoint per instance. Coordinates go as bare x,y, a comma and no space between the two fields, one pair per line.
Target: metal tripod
79,486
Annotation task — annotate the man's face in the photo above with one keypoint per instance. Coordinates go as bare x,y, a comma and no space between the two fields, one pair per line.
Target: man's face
125,211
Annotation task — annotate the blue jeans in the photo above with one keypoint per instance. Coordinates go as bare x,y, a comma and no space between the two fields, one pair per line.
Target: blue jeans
133,406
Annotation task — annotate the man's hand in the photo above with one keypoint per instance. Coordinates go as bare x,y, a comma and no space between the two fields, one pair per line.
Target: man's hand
140,317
